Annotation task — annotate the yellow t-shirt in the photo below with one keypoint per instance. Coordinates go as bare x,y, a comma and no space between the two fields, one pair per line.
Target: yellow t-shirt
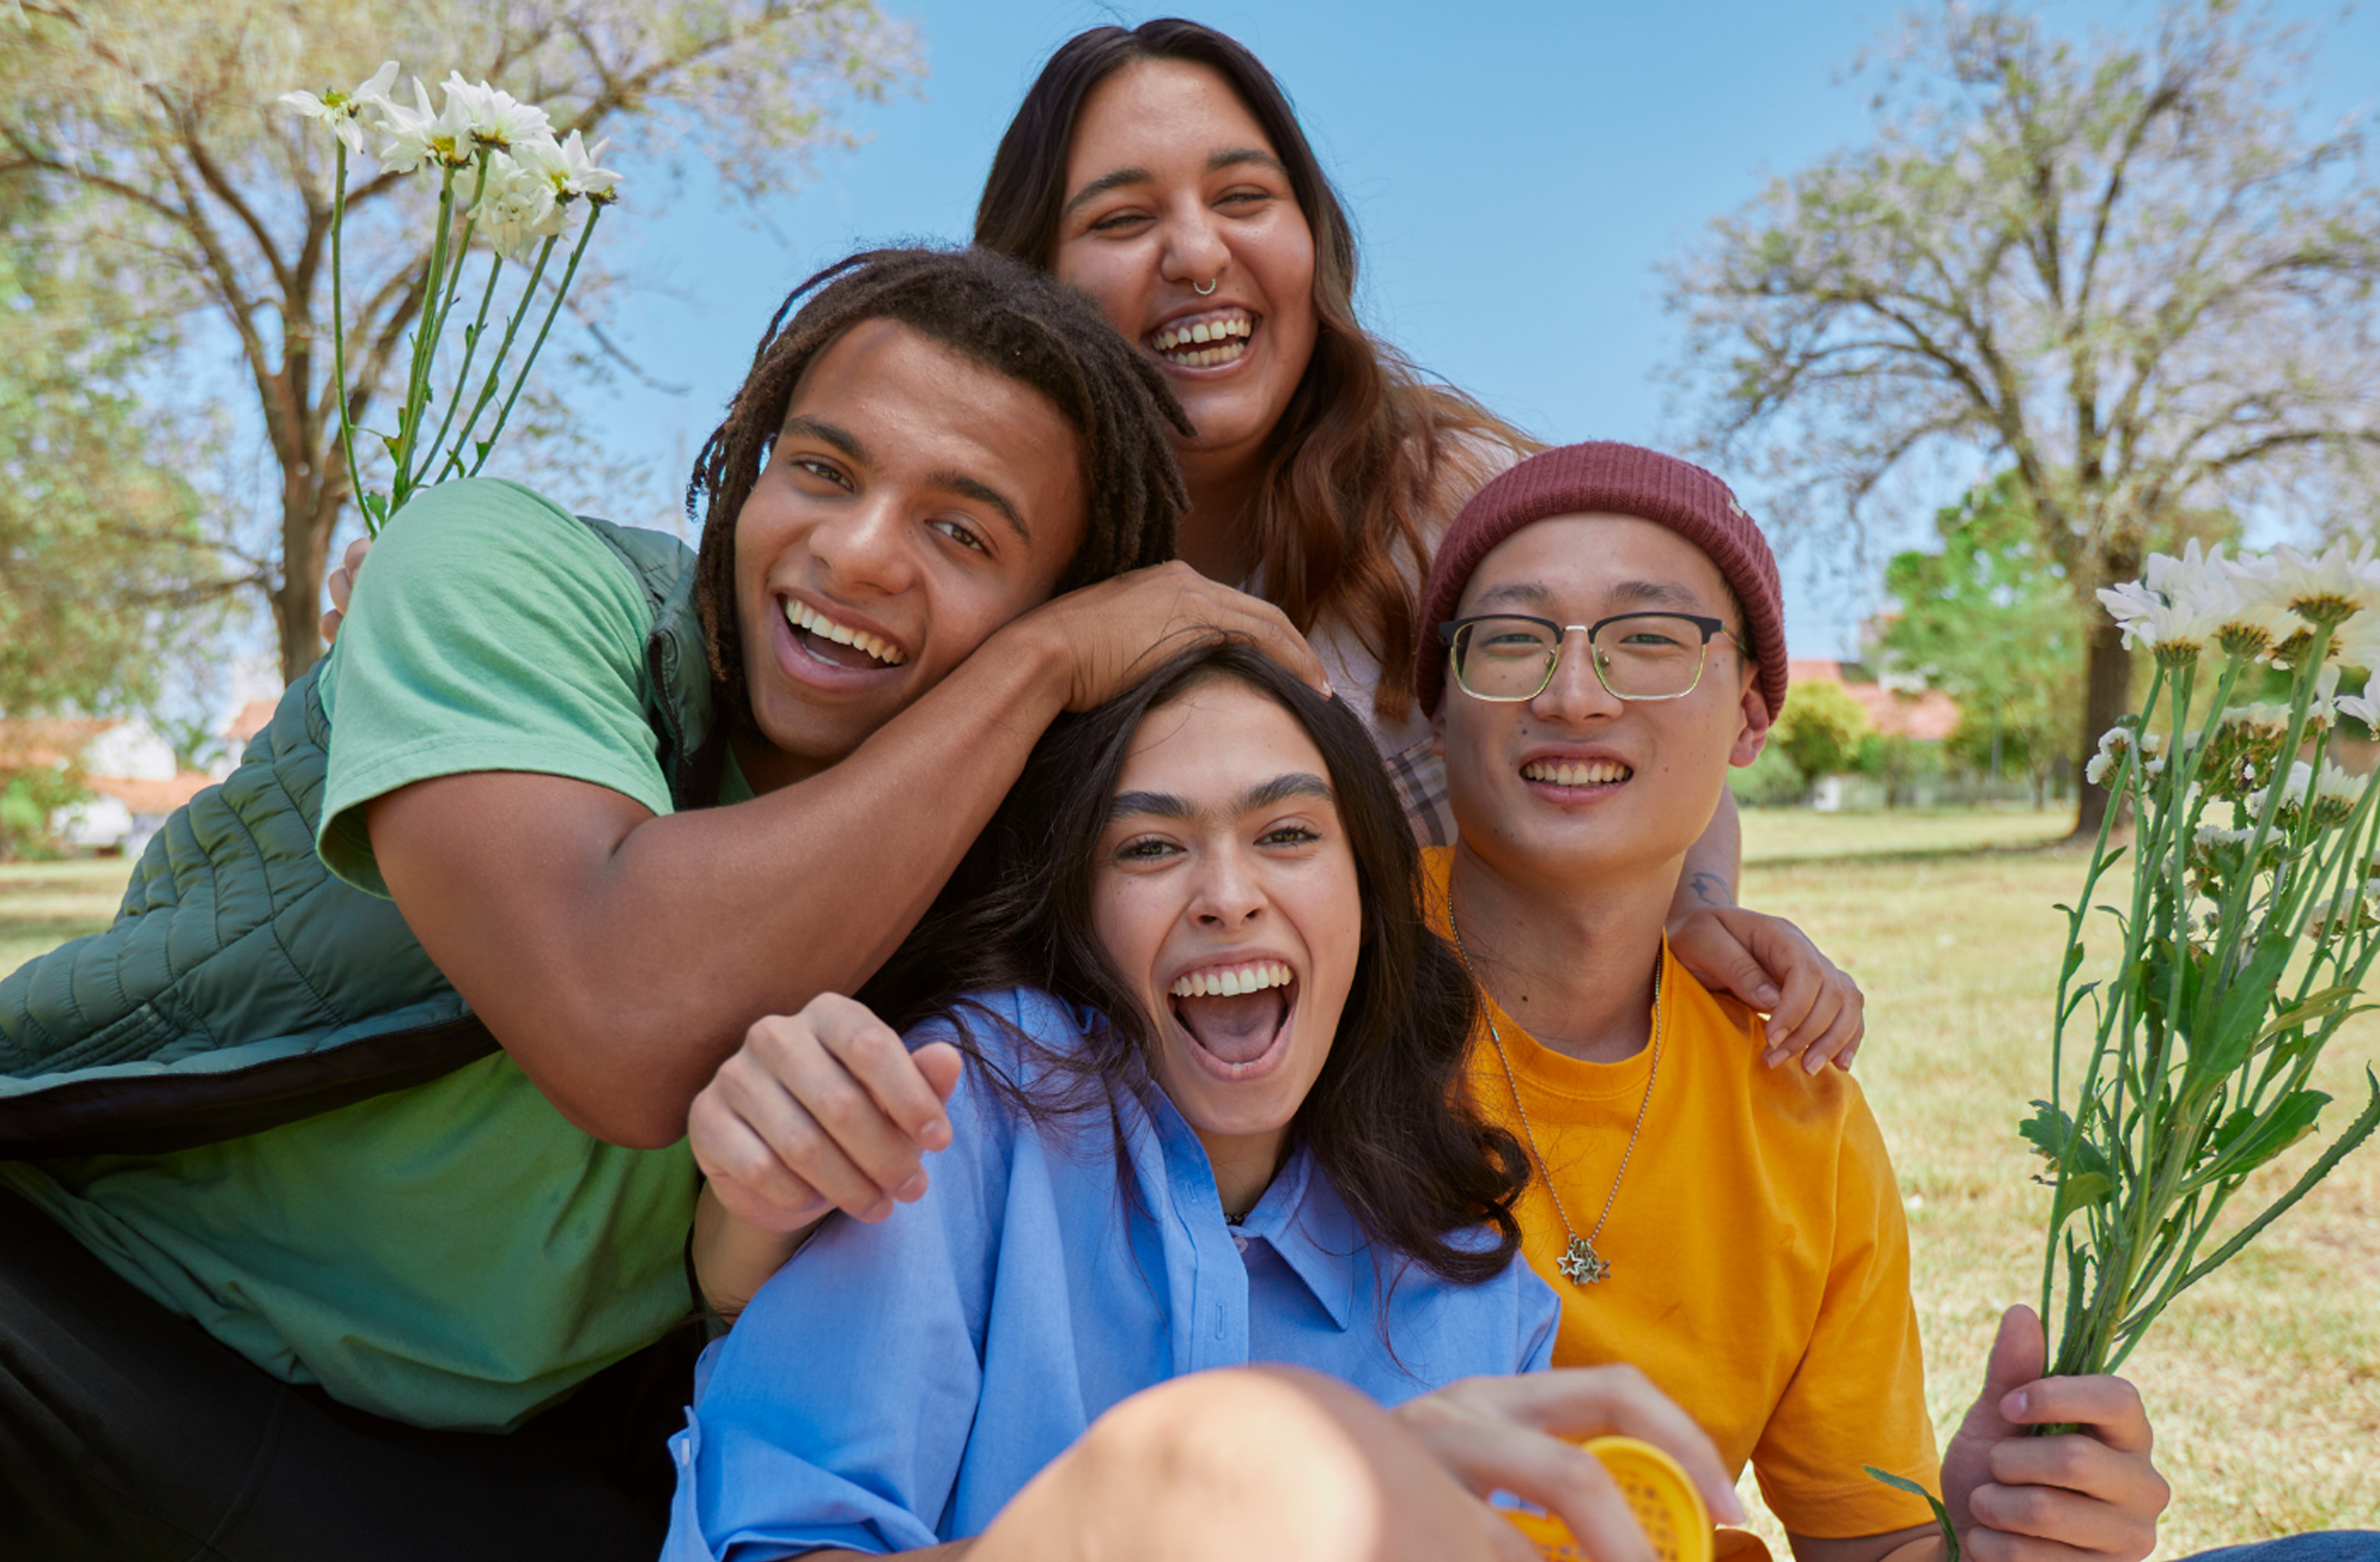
1759,1253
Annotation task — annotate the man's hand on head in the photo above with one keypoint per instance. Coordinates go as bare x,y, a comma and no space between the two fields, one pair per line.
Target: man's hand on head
1816,1012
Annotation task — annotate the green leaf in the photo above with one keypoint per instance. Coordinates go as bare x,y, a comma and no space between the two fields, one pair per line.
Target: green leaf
2079,1190
2290,1016
1941,1514
2052,1135
2290,1120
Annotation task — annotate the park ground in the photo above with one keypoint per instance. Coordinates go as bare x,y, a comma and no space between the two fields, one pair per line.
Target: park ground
2263,1381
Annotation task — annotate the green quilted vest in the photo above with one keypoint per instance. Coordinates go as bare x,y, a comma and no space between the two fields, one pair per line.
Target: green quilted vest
242,984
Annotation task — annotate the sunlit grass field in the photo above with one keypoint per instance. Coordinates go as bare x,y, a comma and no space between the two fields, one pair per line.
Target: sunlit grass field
2264,1382
44,904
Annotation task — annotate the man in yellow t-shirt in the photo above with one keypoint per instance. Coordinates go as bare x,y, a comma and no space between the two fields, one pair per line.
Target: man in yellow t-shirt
1606,638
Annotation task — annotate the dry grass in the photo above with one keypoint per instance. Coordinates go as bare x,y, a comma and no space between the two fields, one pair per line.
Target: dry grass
2264,1382
44,904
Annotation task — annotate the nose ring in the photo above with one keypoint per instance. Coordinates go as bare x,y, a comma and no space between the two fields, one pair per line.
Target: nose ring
1210,286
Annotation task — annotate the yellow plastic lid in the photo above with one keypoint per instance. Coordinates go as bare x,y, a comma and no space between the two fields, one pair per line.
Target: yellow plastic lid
1655,1486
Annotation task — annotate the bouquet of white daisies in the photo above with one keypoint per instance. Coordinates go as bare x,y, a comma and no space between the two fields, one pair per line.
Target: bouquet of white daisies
2241,940
505,184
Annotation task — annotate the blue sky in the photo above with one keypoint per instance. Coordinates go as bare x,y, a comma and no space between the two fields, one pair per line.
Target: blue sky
1516,173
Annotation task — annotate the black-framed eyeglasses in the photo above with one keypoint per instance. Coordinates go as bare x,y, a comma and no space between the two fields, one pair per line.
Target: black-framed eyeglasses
1507,657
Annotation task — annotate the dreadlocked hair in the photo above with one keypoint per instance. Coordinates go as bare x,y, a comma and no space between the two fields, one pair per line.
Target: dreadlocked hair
1003,314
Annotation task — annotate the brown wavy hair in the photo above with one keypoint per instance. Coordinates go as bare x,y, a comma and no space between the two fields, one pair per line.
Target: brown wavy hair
1368,449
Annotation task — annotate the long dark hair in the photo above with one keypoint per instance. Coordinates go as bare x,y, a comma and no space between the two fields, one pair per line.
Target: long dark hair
1011,319
1389,1119
1367,449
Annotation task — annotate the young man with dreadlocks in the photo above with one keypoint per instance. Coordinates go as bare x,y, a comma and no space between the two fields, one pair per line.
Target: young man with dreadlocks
328,1205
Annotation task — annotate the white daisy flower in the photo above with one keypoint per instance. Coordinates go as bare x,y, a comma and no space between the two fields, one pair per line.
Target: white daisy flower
2325,589
517,209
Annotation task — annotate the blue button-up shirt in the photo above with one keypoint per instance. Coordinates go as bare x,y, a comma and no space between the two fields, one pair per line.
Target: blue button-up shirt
897,1384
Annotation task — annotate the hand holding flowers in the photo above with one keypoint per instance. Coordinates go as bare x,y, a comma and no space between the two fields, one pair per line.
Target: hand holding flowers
519,189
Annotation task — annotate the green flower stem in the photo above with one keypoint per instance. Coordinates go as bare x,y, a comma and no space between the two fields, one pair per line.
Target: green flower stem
427,457
471,340
339,342
425,343
559,293
497,365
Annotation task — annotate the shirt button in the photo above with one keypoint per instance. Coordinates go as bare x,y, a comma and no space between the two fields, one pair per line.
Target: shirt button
1239,1241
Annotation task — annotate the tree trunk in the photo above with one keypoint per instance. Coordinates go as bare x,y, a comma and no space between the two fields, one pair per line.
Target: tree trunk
306,523
2108,695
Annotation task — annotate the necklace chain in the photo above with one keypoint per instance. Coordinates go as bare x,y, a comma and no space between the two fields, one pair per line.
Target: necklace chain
1580,1264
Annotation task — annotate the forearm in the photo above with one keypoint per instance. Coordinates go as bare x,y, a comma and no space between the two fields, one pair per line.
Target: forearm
1921,1543
620,978
1714,865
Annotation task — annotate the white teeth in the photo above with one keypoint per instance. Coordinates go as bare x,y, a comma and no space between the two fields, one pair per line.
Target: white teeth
1233,981
1563,773
801,615
1179,343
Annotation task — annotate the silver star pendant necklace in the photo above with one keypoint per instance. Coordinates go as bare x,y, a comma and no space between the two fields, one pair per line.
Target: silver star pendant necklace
1580,1264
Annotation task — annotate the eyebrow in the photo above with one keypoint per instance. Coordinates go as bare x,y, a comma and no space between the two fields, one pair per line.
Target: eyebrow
1658,593
843,439
825,432
983,493
1227,157
1264,794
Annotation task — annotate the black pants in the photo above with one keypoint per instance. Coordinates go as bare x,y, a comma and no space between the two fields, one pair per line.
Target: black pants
127,1433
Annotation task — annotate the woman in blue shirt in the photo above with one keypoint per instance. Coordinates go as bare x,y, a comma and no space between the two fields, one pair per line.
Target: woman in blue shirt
1210,1116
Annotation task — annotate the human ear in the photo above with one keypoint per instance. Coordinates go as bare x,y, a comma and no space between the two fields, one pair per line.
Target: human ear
1752,735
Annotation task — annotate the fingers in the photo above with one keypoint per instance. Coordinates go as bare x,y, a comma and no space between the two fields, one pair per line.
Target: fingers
2019,1353
1804,988
1505,1542
2052,1520
2110,1406
826,1105
1575,1403
1624,1400
342,585
1118,631
744,1168
1706,946
1564,1479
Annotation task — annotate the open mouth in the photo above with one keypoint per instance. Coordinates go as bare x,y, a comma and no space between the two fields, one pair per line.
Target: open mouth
1205,341
1577,774
1237,1016
839,645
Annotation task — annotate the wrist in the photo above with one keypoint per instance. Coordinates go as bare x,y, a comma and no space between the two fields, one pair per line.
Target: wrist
1033,651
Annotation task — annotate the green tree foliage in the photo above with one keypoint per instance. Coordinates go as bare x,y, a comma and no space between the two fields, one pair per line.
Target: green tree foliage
1990,619
103,564
1822,731
2123,266
162,118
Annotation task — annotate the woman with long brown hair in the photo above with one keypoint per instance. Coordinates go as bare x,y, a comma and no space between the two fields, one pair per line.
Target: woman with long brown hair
1161,169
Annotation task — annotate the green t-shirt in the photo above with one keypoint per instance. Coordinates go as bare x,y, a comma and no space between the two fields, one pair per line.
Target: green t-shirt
456,1255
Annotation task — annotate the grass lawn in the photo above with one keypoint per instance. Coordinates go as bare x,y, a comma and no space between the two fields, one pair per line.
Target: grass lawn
44,904
2265,1381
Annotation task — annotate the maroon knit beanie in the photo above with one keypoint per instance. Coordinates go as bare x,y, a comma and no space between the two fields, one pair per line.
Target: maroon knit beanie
1602,477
